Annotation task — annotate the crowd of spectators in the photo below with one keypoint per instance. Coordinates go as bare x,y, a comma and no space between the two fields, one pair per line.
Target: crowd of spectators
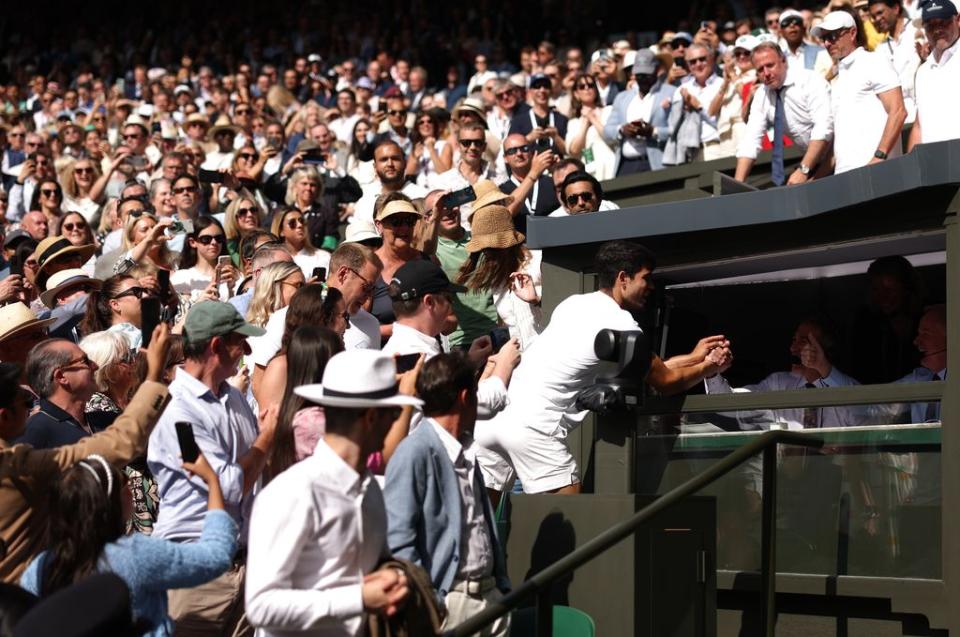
315,256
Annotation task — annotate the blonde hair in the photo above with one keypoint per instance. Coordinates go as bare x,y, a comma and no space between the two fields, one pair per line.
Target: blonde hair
230,216
128,242
304,172
277,226
266,294
69,182
105,349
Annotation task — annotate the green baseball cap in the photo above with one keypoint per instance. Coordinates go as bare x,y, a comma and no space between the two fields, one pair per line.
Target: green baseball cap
216,318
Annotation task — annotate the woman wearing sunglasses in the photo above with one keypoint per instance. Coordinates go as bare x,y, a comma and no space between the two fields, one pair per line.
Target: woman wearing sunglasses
84,185
431,154
396,219
145,243
289,224
585,130
242,180
77,231
201,275
116,307
242,217
48,198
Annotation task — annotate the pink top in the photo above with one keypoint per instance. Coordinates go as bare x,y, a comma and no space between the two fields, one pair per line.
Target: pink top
309,426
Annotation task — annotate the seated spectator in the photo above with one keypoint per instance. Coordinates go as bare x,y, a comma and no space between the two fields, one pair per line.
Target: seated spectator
302,571
585,128
257,252
579,193
276,285
300,424
637,124
305,192
791,101
500,265
116,307
62,375
866,99
75,228
36,225
438,512
531,189
811,348
243,216
396,220
20,331
66,296
935,78
542,120
201,274
560,171
431,154
390,165
471,167
227,434
289,225
58,253
47,198
149,566
24,519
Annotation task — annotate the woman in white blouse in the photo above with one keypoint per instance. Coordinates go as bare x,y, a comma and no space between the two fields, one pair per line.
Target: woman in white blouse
200,274
501,264
290,226
83,185
431,154
585,130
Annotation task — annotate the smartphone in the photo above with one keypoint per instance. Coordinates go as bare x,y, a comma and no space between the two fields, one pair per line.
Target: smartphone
155,127
175,228
315,156
458,197
149,318
188,444
543,144
681,62
163,280
210,176
499,337
319,273
705,26
406,362
382,106
16,265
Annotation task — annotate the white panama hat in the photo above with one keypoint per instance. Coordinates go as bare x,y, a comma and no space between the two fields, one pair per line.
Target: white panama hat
358,378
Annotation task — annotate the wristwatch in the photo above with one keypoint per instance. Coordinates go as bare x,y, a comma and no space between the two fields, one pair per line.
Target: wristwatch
880,154
805,170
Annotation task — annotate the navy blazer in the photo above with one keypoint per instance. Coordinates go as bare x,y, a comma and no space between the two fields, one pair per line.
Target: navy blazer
424,509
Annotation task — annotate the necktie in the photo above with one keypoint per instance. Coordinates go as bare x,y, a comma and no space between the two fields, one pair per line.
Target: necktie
932,412
779,124
810,420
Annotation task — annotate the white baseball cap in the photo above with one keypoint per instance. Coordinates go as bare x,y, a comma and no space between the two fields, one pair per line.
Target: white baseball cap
790,13
833,21
745,41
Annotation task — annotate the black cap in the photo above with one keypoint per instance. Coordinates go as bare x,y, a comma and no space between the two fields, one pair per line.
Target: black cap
14,237
937,9
419,277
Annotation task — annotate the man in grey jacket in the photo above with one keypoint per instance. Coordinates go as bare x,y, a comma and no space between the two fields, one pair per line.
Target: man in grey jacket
439,515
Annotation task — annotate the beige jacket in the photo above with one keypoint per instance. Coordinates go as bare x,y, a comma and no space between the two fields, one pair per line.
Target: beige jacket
26,475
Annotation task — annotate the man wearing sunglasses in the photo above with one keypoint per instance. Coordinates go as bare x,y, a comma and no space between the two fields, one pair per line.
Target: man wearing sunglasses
581,193
37,167
397,131
531,187
691,101
800,53
472,167
867,101
542,121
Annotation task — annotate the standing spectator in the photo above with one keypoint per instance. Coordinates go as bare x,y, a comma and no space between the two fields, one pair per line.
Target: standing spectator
866,100
320,528
201,273
800,53
389,163
347,115
269,251
397,130
228,436
47,198
354,268
289,224
77,231
938,76
150,567
727,105
585,128
603,69
690,103
396,221
900,47
792,101
24,519
471,167
530,187
115,307
13,155
542,120
20,330
431,154
509,103
276,284
305,191
242,217
38,165
439,515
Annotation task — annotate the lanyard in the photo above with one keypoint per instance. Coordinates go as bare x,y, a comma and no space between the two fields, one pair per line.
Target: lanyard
534,194
533,119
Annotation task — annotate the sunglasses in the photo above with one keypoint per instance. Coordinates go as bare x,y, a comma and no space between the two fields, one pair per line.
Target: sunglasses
699,60
249,156
243,212
135,213
136,291
573,199
740,53
16,134
83,362
99,118
524,148
832,36
83,171
207,239
48,193
504,95
243,111
396,113
792,22
70,227
540,85
295,222
467,143
132,135
395,221
184,189
423,121
586,85
367,286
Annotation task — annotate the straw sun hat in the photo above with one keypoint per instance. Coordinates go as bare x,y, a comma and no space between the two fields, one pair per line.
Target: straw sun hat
492,227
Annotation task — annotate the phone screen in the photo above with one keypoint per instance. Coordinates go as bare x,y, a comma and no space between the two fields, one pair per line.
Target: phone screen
163,279
499,337
458,197
209,176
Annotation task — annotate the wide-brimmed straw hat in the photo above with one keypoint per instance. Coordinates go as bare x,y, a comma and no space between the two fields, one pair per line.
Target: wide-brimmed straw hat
17,318
398,207
472,105
488,193
64,279
358,378
492,227
222,124
57,246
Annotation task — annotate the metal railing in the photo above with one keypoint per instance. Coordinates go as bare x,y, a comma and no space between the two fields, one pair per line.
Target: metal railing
539,584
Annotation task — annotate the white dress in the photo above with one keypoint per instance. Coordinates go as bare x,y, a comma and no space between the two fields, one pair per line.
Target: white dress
524,320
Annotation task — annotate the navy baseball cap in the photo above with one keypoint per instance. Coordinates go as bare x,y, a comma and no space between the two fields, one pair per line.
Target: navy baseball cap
419,277
540,79
938,9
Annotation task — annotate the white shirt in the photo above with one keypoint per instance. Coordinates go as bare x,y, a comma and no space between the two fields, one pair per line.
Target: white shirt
705,94
319,528
343,127
858,114
225,429
936,93
560,363
476,547
798,60
364,331
806,109
308,261
363,209
902,53
639,108
263,348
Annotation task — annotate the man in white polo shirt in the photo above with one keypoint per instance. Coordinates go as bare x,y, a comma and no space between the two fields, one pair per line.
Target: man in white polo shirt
527,438
793,101
868,110
938,78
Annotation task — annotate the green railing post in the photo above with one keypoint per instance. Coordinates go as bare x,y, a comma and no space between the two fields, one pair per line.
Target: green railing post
768,543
